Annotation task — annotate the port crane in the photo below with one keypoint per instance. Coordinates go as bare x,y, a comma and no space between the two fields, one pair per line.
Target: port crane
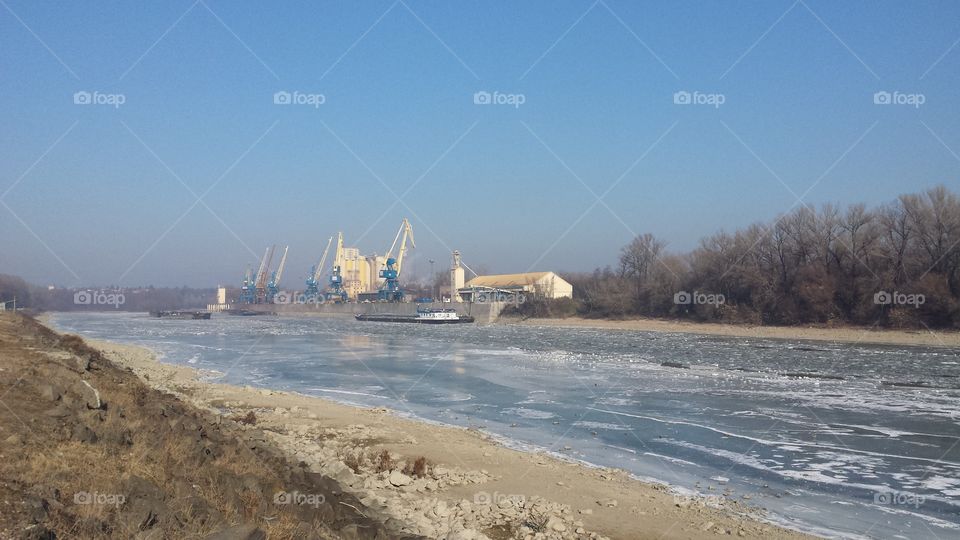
273,286
247,290
260,282
312,292
336,292
390,290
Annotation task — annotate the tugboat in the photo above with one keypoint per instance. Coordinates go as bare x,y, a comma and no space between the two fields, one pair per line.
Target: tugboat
423,316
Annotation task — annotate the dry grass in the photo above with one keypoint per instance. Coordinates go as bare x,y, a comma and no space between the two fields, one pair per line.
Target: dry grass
418,468
249,419
356,460
384,462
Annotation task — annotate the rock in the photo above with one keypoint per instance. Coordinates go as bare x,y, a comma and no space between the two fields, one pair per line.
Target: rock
556,524
707,526
60,411
397,478
89,395
84,434
13,440
149,534
239,532
440,510
49,393
339,471
586,511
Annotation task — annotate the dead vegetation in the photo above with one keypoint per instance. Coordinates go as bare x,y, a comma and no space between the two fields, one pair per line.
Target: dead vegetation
418,468
249,419
139,460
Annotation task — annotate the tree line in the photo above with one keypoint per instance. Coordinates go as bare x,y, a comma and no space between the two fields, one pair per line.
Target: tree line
101,299
894,265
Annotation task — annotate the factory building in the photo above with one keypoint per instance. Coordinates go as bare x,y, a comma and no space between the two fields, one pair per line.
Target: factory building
532,284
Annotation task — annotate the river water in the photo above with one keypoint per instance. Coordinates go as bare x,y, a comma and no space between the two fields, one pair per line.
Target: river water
843,440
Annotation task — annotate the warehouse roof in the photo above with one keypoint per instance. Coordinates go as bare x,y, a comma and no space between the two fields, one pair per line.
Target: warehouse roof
507,280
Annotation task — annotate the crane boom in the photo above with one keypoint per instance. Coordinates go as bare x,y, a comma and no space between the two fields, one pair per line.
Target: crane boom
407,230
319,271
264,267
338,256
283,263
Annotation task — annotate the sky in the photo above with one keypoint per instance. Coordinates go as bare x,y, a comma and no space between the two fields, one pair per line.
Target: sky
146,143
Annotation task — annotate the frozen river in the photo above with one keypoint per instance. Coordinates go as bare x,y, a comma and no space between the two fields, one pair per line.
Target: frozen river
840,440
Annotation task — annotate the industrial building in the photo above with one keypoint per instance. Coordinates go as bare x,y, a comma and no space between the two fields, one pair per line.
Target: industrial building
532,284
361,273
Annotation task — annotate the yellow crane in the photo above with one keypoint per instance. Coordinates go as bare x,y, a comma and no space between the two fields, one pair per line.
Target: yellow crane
336,292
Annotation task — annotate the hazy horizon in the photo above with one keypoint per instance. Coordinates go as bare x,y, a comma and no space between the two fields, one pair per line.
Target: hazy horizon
192,162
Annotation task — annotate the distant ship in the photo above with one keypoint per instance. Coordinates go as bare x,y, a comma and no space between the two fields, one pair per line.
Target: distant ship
181,314
423,316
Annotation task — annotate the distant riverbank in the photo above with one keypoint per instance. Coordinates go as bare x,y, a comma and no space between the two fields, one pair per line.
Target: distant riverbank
926,338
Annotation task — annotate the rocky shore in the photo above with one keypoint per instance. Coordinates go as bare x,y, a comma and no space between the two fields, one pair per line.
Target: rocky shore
421,479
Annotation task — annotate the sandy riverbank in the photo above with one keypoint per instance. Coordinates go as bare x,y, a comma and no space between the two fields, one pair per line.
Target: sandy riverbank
472,482
927,338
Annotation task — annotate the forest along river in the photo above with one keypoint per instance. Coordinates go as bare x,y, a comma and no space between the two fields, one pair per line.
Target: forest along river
836,439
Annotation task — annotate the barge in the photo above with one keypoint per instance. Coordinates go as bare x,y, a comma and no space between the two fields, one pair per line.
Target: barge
423,316
193,315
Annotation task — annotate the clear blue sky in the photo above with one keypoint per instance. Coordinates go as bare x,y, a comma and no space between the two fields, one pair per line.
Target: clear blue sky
99,189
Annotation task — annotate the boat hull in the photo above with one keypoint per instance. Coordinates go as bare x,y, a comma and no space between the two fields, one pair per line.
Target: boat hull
411,319
191,315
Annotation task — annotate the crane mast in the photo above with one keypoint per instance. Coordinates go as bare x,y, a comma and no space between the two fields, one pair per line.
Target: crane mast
261,280
273,286
336,291
312,292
